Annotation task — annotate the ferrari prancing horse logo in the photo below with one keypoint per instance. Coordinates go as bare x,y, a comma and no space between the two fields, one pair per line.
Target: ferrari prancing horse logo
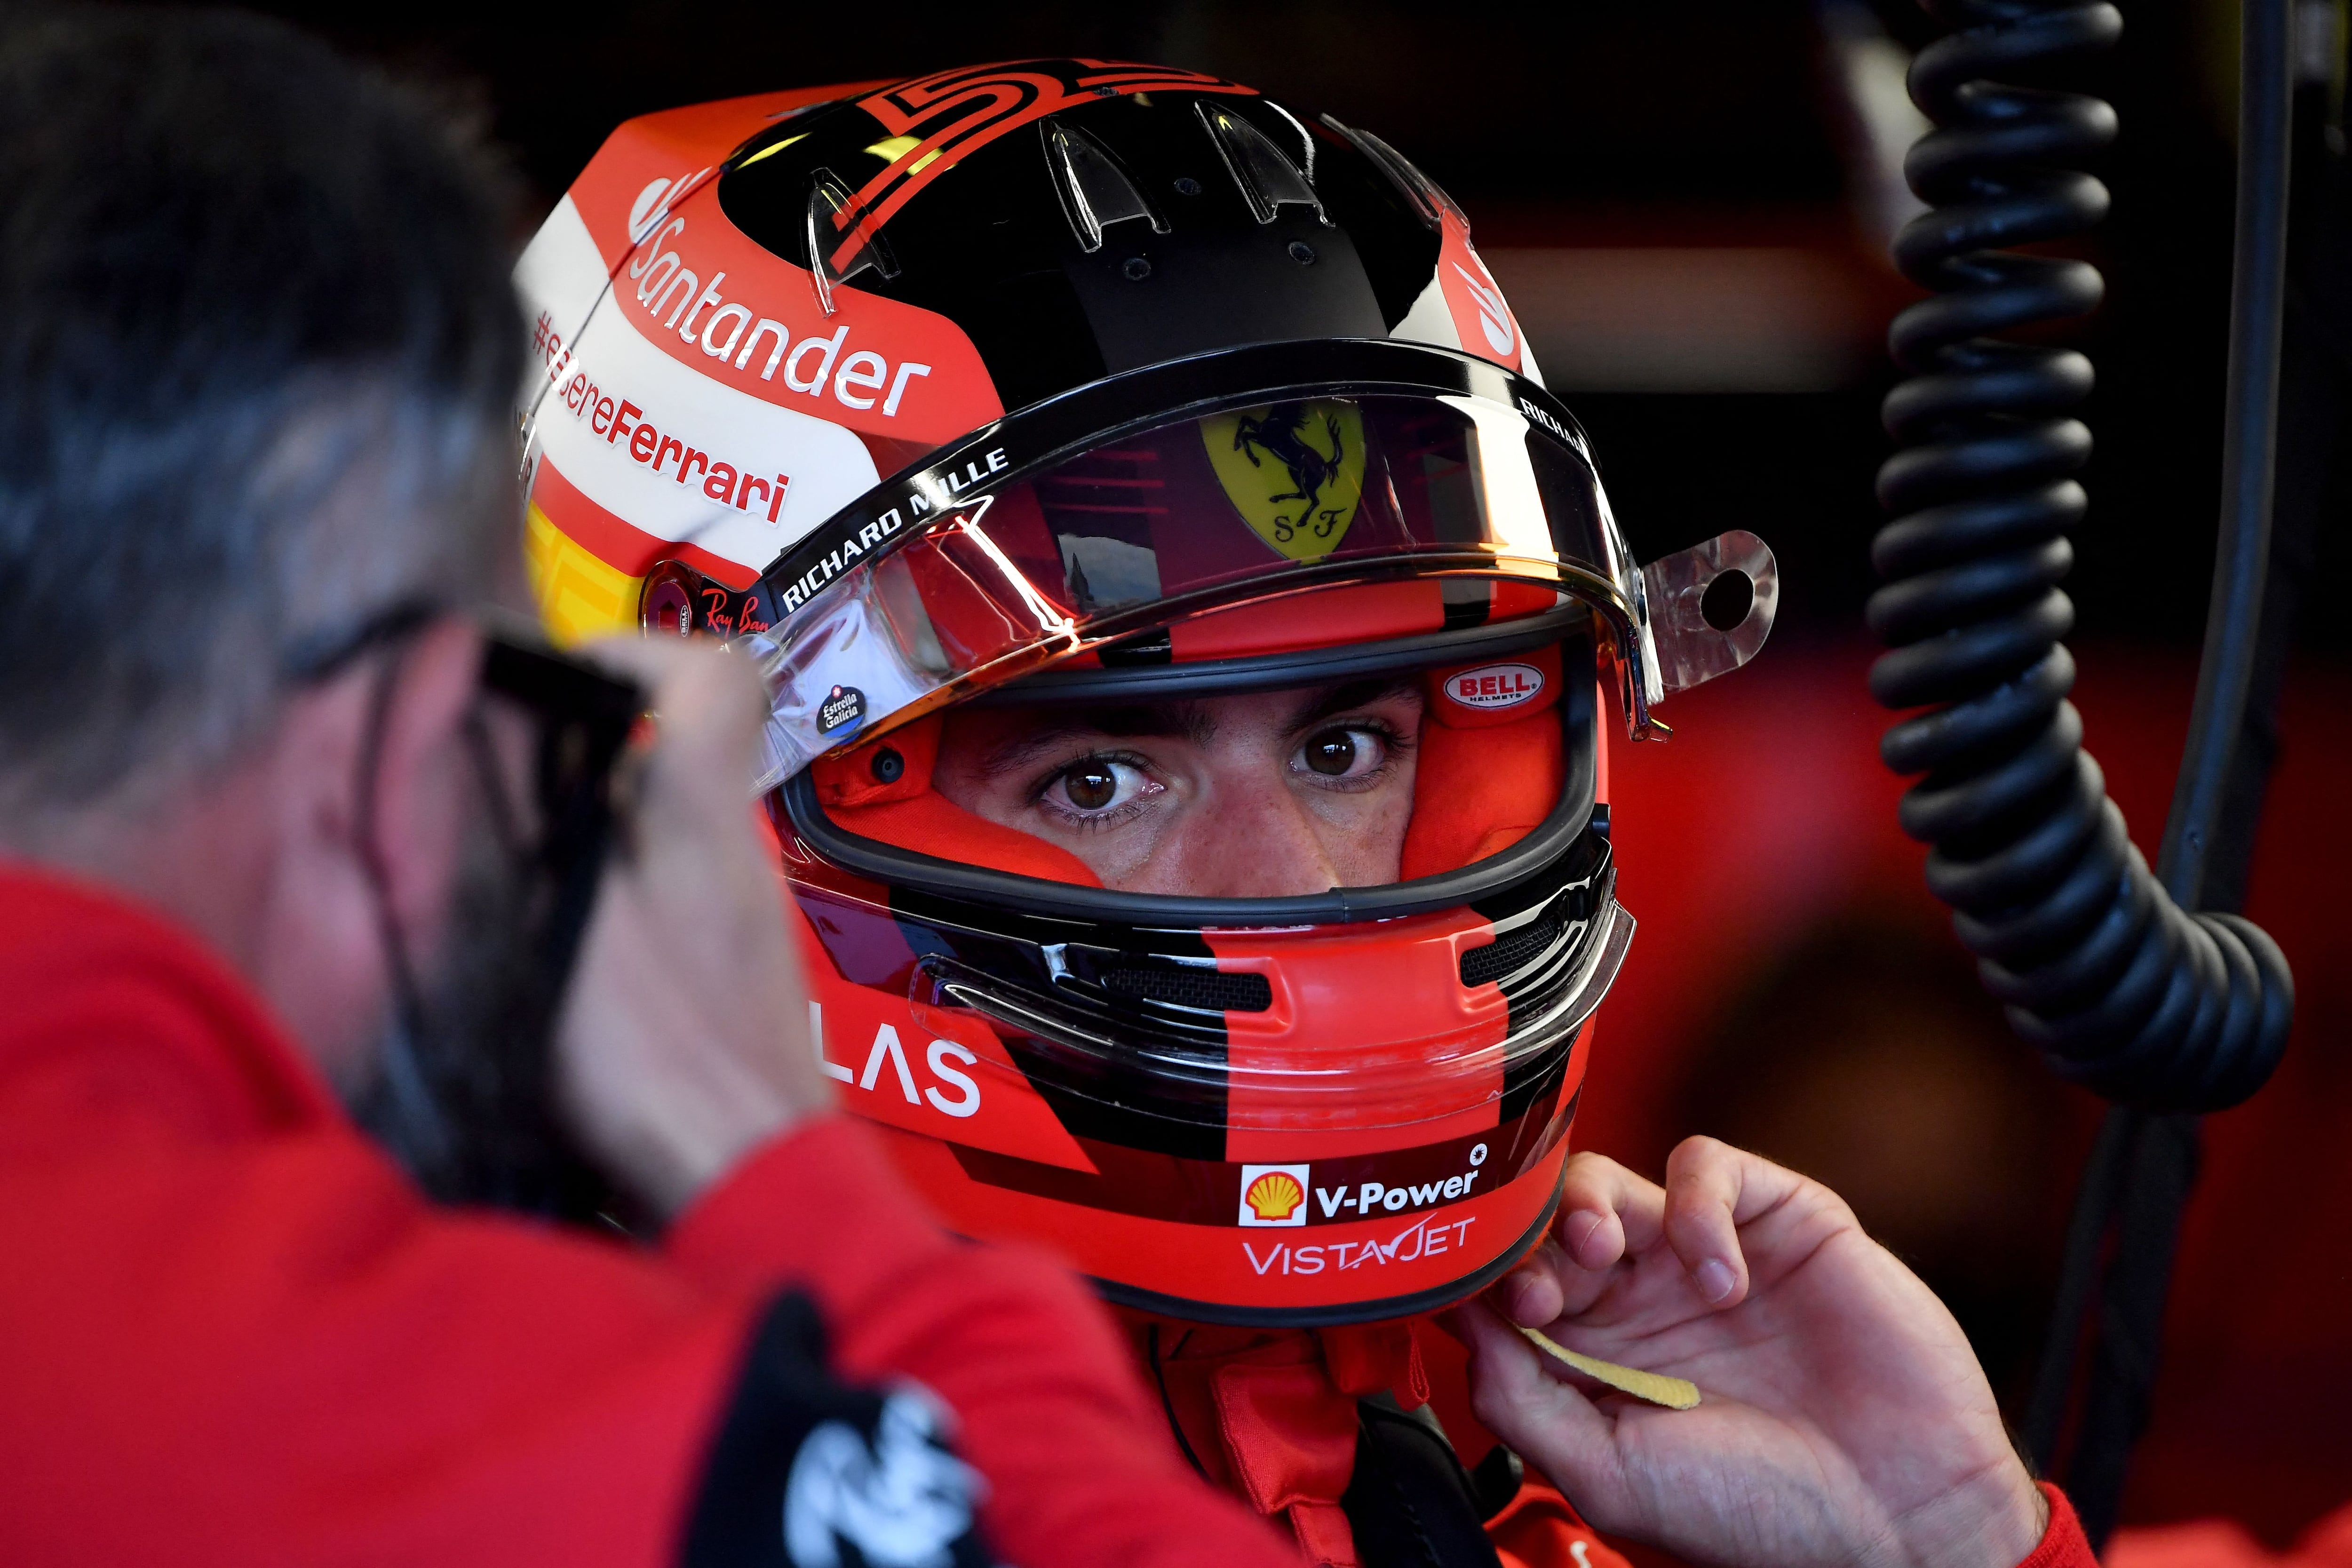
1295,471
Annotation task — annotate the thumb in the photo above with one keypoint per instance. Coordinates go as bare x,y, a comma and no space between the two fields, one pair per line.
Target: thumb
1545,1420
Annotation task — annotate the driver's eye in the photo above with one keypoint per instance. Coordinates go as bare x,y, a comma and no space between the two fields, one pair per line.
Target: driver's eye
1095,787
1333,753
1342,752
1090,785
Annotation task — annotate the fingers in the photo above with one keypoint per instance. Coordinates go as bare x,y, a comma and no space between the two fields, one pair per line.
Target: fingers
1531,1293
1545,1420
685,1040
708,703
1713,1189
1608,1215
1605,1212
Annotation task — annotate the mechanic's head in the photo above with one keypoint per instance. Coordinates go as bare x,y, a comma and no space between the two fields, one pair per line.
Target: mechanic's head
256,351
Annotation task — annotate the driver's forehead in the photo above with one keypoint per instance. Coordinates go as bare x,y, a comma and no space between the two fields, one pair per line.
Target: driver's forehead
999,738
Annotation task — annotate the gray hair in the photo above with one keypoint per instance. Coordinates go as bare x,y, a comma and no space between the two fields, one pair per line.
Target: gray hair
257,351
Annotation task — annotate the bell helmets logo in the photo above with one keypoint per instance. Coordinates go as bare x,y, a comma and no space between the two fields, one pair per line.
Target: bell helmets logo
1274,1195
1492,686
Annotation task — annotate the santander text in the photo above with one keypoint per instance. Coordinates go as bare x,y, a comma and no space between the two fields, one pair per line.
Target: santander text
675,299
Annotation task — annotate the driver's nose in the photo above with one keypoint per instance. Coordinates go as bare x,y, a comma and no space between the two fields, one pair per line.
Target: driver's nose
1255,840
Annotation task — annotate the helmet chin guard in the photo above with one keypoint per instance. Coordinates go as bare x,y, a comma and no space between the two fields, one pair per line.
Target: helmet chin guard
1293,1126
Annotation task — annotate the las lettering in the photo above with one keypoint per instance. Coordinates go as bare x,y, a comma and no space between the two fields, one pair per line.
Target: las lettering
945,1058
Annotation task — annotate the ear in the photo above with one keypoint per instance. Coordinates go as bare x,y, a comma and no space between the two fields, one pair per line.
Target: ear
318,952
423,781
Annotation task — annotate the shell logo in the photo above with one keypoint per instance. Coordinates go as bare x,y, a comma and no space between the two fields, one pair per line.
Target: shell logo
1274,1195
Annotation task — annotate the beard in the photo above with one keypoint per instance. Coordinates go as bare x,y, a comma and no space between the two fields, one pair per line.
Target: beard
464,1091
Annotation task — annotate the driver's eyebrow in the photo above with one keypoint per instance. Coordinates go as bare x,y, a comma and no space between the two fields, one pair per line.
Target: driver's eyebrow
1184,718
1181,718
1318,706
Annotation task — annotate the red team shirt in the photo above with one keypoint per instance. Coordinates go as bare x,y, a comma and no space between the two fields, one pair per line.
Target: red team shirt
233,1333
231,1330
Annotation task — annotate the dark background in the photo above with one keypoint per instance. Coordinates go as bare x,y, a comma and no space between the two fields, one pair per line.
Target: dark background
1691,125
1688,205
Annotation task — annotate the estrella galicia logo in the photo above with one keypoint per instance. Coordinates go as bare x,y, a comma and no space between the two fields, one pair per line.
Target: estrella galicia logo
843,708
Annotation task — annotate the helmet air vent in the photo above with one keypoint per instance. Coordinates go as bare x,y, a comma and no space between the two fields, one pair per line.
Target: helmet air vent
842,240
1428,199
1268,179
1305,138
1202,990
1095,192
1510,953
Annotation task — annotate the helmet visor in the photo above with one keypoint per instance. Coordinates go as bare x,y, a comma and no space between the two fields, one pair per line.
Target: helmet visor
1159,495
946,592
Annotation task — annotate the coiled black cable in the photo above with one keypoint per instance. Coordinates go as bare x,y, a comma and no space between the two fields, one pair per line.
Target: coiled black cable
2098,965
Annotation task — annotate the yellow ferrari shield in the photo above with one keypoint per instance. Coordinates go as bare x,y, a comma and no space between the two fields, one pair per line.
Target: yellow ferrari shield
1294,471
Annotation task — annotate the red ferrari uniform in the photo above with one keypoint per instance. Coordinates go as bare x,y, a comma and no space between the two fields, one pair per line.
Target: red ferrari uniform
2206,1543
231,1331
1272,1417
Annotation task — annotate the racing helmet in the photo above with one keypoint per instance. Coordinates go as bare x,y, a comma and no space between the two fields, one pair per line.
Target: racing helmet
1071,382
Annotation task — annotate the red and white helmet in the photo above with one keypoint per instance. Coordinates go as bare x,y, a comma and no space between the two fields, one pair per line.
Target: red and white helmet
1067,380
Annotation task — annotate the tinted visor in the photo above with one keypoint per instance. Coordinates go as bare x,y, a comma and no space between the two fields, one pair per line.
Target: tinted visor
894,609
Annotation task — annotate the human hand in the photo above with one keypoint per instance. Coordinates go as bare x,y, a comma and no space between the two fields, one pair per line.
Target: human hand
1843,1419
683,1043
